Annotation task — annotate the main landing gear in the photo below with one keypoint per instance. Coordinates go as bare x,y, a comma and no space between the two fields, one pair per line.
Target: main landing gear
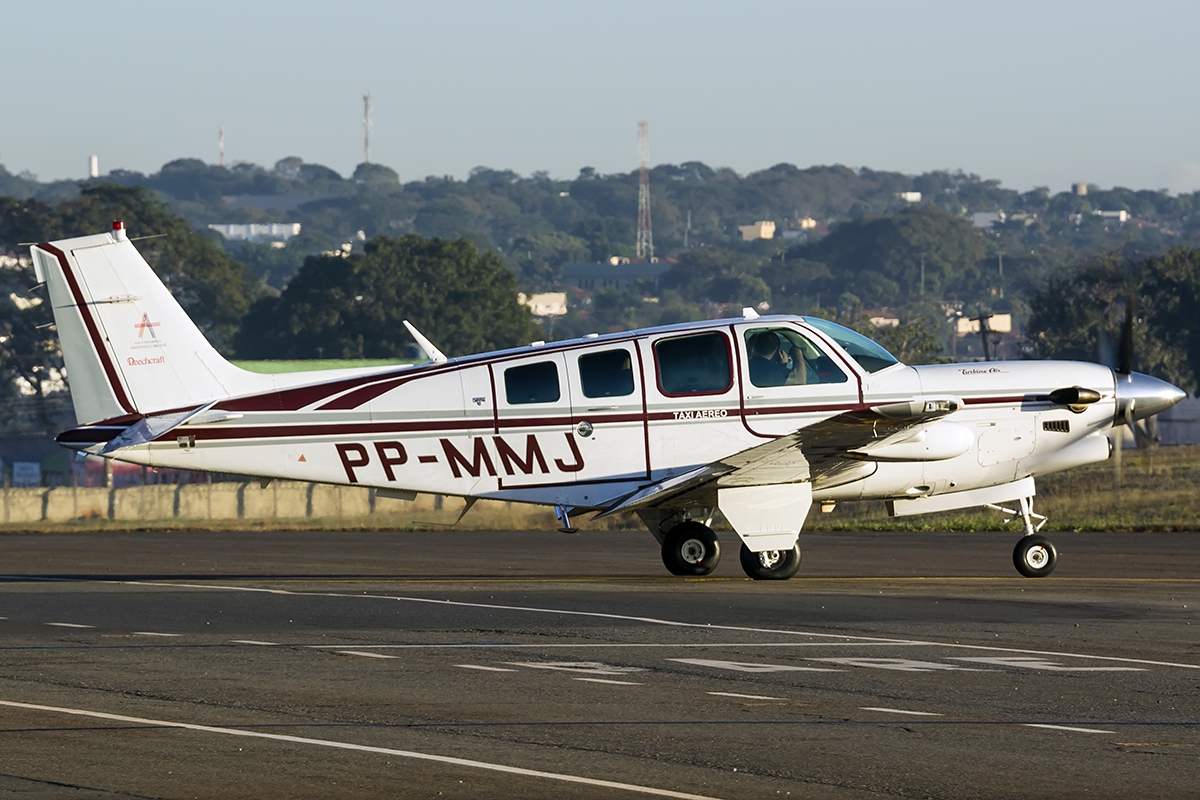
1035,555
691,548
770,565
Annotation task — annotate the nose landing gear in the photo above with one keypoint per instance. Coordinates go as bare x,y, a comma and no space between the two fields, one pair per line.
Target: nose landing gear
1034,556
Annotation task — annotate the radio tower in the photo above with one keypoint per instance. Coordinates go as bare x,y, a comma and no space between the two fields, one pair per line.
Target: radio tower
366,127
221,144
645,237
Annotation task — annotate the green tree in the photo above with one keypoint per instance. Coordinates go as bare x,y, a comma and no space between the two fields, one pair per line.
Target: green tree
463,300
880,259
1079,315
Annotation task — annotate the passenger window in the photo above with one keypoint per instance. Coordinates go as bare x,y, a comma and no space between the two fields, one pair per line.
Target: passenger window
606,374
782,357
693,364
532,383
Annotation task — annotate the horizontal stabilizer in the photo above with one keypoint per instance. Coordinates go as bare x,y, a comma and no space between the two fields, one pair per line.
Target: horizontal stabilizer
148,429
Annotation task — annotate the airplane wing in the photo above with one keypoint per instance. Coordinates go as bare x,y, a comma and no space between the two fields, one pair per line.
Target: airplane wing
836,450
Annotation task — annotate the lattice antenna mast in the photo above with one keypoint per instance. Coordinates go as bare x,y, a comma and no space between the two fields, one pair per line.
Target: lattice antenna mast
221,144
645,236
366,127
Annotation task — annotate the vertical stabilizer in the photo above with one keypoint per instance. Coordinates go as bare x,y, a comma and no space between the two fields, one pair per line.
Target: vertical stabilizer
128,345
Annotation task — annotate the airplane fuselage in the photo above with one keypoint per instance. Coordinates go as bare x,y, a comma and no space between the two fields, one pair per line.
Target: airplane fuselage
539,424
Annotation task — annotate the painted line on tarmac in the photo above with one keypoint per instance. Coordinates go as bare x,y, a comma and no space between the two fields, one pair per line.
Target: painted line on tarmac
901,711
603,680
362,653
68,625
458,762
152,633
744,696
1065,728
485,669
650,621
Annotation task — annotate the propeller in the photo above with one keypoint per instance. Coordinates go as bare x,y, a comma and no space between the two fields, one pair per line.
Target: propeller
1125,349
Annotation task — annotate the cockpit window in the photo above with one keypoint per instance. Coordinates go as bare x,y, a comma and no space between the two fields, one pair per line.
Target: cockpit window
782,357
868,354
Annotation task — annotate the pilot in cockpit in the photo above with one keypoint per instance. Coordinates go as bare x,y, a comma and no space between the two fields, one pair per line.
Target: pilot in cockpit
770,365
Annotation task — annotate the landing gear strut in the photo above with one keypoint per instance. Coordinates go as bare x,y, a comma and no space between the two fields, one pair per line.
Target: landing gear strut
770,565
691,548
1034,556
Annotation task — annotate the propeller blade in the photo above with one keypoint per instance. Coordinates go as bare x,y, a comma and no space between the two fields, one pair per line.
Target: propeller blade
1125,352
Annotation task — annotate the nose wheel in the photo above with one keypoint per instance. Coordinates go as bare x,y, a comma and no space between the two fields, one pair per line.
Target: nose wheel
691,548
1035,556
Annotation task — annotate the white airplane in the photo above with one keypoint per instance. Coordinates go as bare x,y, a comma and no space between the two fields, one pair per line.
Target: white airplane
759,417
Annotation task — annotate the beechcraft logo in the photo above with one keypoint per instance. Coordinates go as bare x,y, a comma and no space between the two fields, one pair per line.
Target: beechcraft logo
146,326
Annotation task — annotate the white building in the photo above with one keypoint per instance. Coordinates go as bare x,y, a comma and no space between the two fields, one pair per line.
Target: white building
258,232
545,304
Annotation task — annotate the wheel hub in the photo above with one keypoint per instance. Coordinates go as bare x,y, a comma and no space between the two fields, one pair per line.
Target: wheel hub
692,551
1037,556
769,558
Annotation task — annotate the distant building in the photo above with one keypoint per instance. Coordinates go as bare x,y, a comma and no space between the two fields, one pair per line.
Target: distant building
258,232
763,229
1000,323
1121,216
883,318
1079,189
618,275
986,219
806,224
910,197
545,304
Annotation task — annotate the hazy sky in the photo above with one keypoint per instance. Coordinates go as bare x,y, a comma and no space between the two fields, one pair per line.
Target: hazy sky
1037,93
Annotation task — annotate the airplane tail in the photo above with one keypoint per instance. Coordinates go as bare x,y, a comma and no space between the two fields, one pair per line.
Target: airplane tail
128,346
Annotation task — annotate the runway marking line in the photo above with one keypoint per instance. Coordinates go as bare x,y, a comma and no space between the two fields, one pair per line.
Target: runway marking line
604,680
650,621
252,641
902,711
485,669
744,696
151,633
279,737
591,667
1065,728
68,625
362,653
744,666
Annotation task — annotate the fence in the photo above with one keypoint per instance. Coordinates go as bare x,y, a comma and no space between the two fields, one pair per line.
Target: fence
280,500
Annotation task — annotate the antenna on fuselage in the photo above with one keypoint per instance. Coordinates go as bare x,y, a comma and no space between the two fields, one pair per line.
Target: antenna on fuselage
435,355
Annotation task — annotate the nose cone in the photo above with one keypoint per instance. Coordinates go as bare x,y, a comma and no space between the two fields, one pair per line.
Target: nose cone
1147,395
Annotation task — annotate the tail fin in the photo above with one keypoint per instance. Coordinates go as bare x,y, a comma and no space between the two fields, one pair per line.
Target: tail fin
128,346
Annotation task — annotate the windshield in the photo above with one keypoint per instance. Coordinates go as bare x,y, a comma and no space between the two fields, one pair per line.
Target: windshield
869,355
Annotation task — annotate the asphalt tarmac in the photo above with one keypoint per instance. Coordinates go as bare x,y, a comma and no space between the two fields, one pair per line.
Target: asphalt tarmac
539,665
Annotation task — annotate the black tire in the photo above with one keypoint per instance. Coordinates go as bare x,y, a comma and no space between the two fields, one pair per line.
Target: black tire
772,565
1034,556
691,548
